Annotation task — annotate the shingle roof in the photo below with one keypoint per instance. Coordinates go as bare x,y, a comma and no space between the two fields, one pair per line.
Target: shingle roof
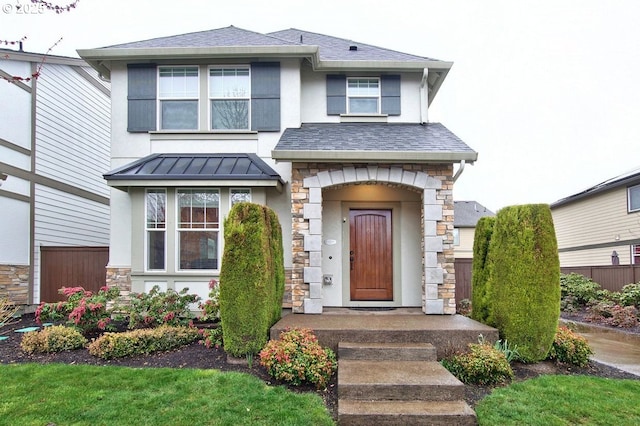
195,167
227,36
467,213
371,137
338,49
629,178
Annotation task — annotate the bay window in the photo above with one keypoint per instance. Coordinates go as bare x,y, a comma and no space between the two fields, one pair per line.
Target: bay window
178,98
156,226
230,96
198,228
240,195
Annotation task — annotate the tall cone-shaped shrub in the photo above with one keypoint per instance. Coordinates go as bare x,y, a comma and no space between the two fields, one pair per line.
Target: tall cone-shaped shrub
524,279
248,290
480,270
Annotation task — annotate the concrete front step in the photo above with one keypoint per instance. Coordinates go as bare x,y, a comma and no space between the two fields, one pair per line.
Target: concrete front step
383,413
397,380
387,351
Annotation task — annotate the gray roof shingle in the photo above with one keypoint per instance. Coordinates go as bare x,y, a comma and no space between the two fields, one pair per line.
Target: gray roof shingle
337,49
227,36
467,213
392,137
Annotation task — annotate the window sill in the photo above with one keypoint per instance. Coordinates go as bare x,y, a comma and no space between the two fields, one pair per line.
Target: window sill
363,118
203,135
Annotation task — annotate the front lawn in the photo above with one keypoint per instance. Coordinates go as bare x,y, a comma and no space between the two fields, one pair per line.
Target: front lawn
40,394
562,400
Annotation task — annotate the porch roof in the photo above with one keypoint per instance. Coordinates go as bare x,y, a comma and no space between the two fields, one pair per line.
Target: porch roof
372,142
195,169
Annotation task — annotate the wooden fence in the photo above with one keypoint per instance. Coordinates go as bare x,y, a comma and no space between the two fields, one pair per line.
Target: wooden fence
612,278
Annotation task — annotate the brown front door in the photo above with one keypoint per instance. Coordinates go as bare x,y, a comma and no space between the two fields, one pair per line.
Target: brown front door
370,255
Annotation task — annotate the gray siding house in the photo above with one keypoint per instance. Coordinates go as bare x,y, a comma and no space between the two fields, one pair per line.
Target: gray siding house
332,134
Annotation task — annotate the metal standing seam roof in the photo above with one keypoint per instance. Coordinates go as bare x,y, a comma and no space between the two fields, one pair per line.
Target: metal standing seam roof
429,140
196,167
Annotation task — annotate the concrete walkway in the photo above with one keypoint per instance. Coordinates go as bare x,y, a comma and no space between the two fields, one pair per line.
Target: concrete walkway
615,348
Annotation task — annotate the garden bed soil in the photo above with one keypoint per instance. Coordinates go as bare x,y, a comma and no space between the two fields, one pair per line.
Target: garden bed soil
197,355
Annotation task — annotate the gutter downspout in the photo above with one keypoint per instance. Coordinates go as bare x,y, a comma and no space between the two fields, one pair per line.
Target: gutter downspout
424,93
459,172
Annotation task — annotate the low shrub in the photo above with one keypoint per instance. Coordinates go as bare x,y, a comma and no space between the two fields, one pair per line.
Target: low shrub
570,348
622,316
630,295
211,307
56,338
482,365
464,307
297,357
579,288
157,308
210,337
8,312
142,341
82,309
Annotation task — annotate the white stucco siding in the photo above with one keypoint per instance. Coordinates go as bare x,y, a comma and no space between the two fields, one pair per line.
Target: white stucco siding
15,125
314,98
14,232
72,123
120,230
598,220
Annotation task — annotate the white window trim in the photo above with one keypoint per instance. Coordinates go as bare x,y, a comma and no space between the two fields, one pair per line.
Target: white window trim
211,98
633,255
239,189
147,230
379,97
160,99
176,247
629,189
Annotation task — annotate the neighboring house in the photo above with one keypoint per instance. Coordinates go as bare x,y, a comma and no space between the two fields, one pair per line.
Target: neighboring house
54,147
332,134
600,225
466,216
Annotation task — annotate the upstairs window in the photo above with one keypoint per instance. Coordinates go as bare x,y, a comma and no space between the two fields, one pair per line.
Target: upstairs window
178,98
363,95
198,228
230,96
633,196
635,254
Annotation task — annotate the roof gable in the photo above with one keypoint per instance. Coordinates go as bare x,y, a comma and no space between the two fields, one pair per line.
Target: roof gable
629,178
467,213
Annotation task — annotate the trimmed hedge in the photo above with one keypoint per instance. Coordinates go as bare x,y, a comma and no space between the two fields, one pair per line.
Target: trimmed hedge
142,341
524,280
480,270
252,278
55,338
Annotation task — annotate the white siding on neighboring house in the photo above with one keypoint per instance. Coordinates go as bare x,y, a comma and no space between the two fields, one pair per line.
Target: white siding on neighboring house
62,219
72,123
600,220
465,249
15,125
14,242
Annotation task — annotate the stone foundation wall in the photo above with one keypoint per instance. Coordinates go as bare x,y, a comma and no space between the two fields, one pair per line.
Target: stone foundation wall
121,278
14,283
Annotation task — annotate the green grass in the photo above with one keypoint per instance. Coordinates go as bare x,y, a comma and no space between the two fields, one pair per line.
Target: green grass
563,400
34,394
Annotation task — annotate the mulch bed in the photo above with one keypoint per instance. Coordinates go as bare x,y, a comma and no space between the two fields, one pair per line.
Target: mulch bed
196,355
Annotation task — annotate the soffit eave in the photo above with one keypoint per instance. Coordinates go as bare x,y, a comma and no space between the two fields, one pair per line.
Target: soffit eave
375,156
124,184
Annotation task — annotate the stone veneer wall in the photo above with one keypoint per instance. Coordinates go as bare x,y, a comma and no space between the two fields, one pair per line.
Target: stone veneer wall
14,283
435,184
121,278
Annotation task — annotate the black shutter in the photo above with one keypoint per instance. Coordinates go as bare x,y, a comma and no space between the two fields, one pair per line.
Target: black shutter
142,97
265,96
390,90
336,94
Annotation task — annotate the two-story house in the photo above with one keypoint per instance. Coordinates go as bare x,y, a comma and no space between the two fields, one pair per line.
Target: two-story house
54,202
332,134
600,225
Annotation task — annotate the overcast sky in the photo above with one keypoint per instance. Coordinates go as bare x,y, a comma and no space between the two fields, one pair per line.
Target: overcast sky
547,91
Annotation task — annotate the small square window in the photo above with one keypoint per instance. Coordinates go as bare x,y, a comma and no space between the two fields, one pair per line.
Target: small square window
363,95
